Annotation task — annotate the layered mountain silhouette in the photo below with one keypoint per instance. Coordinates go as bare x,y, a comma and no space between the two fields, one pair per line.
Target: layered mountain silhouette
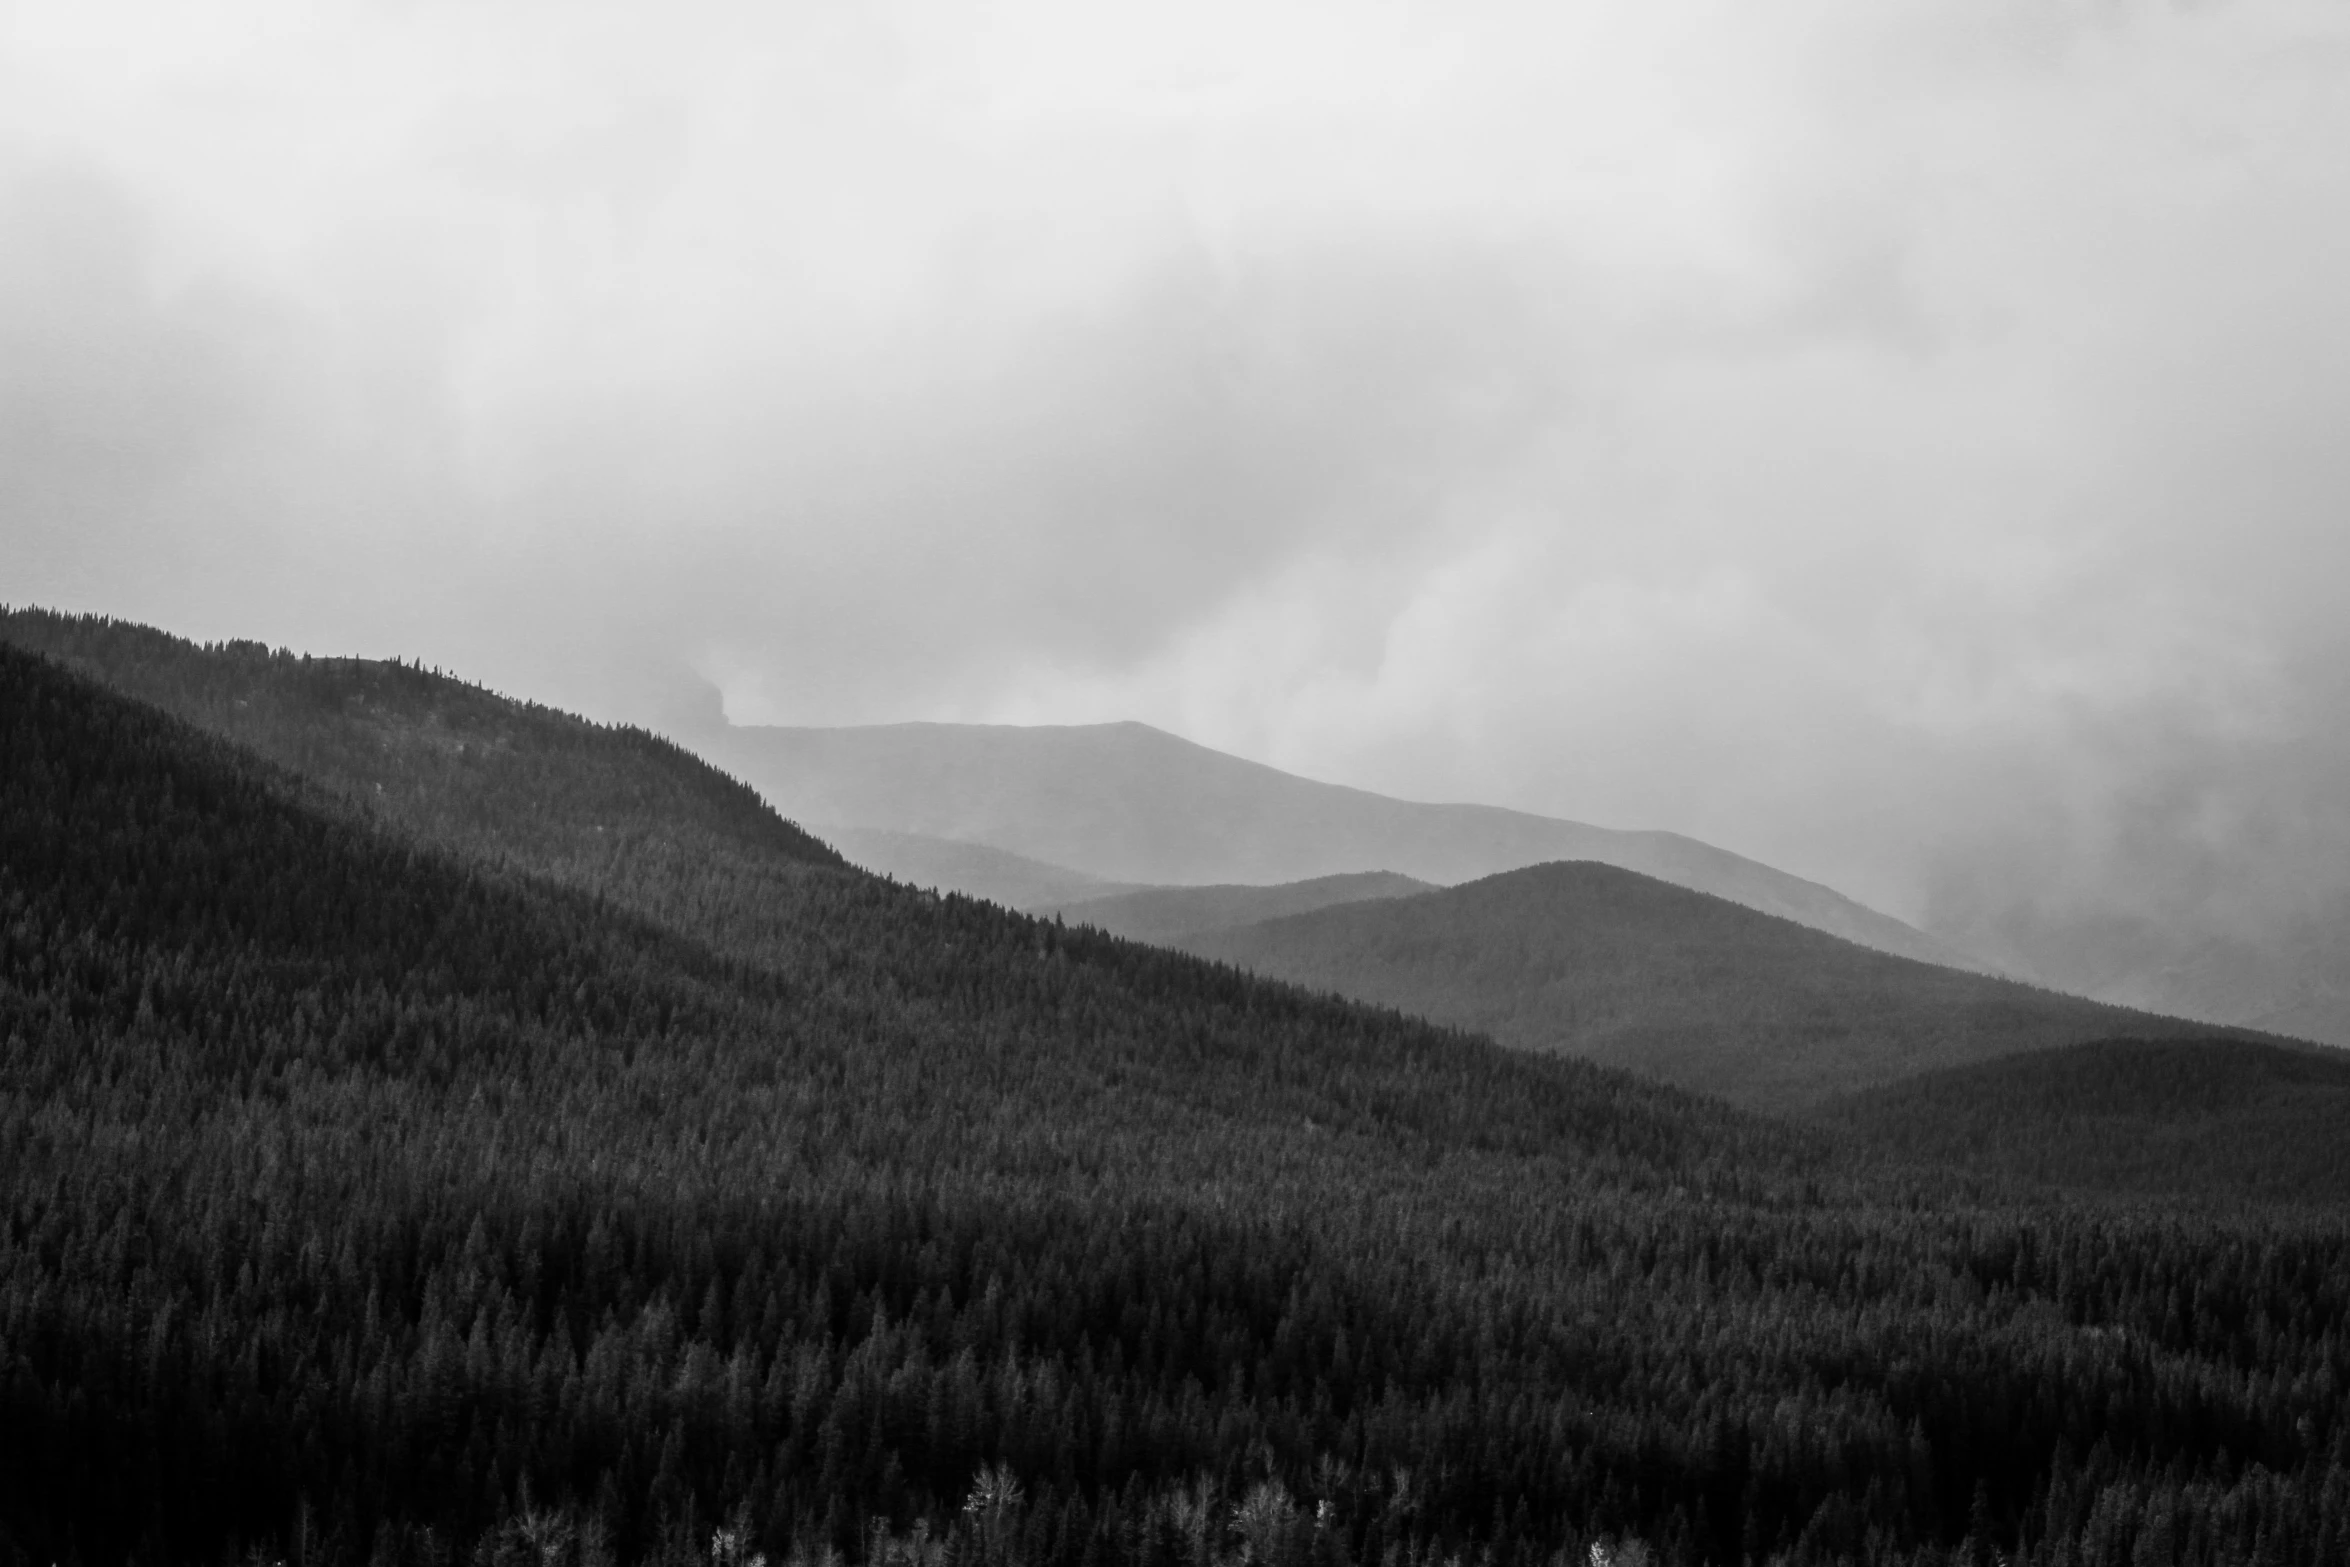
441,1129
973,869
1596,961
1129,803
1164,914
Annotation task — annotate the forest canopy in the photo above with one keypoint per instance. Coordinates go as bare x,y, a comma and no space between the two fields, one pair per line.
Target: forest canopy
441,1130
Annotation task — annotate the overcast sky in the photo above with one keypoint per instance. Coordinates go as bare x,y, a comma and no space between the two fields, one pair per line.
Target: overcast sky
1908,442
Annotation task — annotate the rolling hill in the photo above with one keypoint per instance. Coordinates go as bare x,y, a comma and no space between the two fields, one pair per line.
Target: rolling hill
1164,914
1129,803
443,1130
1595,961
2214,1120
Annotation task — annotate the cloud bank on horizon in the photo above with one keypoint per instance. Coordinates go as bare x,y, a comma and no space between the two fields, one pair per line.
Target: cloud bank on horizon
1898,441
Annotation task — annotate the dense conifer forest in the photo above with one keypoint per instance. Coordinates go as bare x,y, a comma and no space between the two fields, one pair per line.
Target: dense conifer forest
439,1130
2214,1121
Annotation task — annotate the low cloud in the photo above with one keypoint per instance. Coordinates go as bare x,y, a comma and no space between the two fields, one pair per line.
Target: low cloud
1899,442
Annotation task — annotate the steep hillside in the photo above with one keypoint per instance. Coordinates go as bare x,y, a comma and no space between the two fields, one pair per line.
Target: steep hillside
1163,914
1129,803
2205,1119
344,1174
972,869
371,1199
477,771
1594,961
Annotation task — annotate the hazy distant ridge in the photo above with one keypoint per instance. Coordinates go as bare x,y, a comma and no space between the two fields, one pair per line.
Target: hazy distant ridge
1129,803
1168,913
953,865
1591,960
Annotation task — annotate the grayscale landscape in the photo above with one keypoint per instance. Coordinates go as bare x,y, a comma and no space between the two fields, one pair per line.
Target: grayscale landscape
1140,785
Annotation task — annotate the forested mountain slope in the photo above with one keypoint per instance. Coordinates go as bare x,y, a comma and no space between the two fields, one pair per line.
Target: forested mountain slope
1593,961
1130,803
479,772
610,811
2212,1120
371,1202
1163,914
323,1110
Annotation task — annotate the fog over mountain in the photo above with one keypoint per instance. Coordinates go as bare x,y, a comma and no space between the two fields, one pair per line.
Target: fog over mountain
511,512
974,869
1128,803
1898,445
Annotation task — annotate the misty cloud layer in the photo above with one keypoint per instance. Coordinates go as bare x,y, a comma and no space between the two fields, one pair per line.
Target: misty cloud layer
1901,443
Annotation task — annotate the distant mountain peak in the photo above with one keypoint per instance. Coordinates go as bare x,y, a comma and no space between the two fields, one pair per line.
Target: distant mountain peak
1130,803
